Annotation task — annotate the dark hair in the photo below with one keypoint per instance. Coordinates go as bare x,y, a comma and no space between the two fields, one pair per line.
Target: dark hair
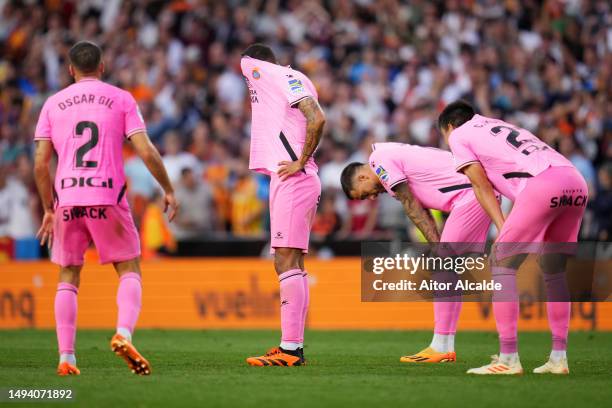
346,178
260,52
85,56
455,114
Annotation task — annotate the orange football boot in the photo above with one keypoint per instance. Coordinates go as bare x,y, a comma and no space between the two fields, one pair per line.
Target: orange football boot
430,355
126,350
66,368
278,357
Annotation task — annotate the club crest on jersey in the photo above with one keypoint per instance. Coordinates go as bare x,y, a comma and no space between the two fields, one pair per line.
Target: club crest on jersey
255,73
382,174
295,86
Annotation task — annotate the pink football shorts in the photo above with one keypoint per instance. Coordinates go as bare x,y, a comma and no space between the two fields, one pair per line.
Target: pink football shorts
293,205
549,210
111,228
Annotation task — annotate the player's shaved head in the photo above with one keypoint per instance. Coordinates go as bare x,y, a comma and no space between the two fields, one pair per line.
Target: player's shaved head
455,115
85,57
261,52
348,177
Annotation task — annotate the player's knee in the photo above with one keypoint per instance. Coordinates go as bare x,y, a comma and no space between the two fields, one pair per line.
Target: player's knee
70,274
511,262
282,264
552,263
123,267
286,259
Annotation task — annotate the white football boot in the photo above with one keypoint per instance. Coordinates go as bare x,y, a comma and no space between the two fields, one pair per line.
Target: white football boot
553,367
498,367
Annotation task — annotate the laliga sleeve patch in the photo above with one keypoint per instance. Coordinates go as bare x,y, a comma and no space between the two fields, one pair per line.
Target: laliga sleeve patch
382,174
295,86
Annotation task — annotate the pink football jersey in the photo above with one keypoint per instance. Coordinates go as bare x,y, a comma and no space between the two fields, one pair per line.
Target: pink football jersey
508,153
278,128
87,123
429,172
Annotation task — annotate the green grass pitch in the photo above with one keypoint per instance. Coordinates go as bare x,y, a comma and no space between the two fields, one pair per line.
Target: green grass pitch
345,368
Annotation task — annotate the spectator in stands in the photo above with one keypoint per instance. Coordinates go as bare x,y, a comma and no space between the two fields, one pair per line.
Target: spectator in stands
601,205
330,171
570,150
141,186
217,174
176,159
17,220
361,219
246,214
327,222
155,234
196,219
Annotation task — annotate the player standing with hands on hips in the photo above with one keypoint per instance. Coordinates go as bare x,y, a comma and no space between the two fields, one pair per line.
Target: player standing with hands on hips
496,154
286,127
86,125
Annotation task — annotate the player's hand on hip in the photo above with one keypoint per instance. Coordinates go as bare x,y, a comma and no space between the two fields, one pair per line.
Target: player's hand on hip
288,169
170,203
45,233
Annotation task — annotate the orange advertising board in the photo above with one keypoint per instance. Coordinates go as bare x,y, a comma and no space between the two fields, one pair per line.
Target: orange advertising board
243,293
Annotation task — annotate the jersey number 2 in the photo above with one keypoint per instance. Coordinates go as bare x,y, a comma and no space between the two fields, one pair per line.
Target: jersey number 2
530,145
91,143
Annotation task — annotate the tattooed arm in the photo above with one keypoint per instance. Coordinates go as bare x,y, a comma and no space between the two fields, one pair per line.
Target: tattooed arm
414,210
315,120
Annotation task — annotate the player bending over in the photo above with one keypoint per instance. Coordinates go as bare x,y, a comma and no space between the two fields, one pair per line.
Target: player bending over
86,124
424,178
497,155
286,127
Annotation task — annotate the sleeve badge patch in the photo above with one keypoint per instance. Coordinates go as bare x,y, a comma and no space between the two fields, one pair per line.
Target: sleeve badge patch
382,174
296,86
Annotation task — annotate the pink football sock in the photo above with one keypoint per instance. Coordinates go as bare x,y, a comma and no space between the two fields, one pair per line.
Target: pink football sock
292,305
506,309
65,316
558,320
443,317
447,303
558,308
455,318
306,304
129,299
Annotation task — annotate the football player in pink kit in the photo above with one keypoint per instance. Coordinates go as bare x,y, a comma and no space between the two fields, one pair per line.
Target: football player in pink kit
286,127
424,178
86,125
496,154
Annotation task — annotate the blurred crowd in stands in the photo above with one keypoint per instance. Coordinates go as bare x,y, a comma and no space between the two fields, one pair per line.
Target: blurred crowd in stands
383,69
